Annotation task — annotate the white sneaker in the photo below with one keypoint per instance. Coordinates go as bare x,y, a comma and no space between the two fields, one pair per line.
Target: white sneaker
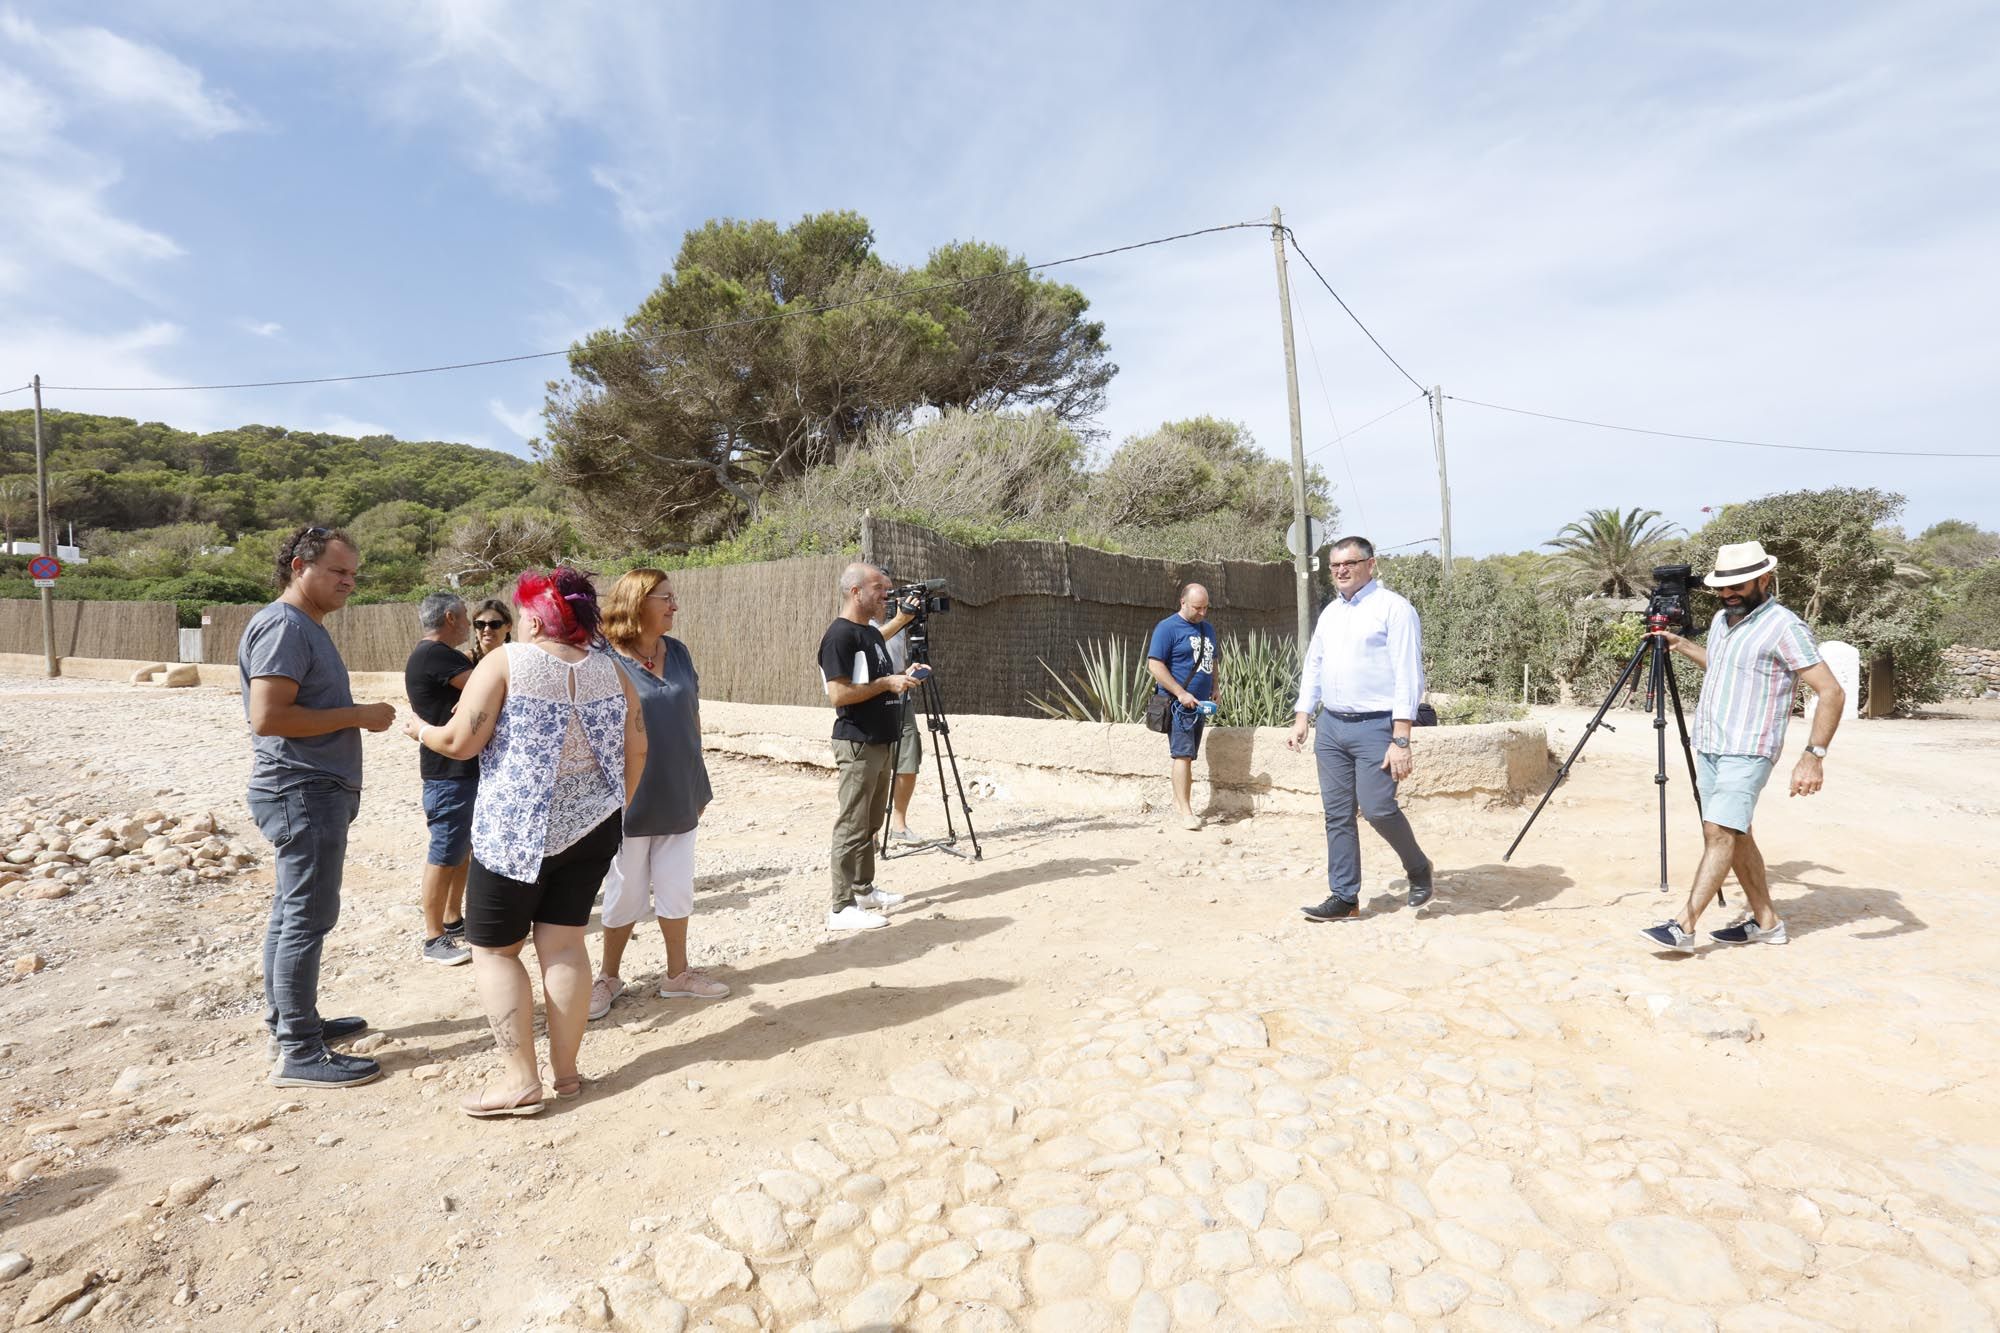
855,917
879,899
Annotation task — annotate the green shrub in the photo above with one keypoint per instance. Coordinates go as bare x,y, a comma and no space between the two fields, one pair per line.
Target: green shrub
1463,710
1260,679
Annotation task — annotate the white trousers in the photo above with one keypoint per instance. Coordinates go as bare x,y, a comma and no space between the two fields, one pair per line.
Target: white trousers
650,877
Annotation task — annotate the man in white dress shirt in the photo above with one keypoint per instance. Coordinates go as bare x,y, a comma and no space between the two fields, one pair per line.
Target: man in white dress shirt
1364,671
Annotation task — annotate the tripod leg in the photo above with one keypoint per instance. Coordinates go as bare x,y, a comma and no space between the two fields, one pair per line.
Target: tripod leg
934,720
1659,695
1597,719
888,815
1687,746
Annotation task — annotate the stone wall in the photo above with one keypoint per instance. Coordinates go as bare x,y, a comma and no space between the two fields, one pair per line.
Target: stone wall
1972,671
1099,766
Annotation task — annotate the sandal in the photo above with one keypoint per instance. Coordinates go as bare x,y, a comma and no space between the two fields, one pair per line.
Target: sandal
566,1088
479,1108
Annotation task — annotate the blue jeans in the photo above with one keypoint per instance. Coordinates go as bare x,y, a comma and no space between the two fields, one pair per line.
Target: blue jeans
306,826
1349,755
448,813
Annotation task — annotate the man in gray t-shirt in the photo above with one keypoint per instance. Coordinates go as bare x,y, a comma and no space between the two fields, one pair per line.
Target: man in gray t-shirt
305,789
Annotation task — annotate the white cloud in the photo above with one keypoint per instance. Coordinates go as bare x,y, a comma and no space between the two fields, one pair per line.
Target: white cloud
28,116
107,70
58,215
268,328
527,425
637,197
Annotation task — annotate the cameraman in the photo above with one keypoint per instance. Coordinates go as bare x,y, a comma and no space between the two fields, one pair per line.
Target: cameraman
864,688
909,750
1757,651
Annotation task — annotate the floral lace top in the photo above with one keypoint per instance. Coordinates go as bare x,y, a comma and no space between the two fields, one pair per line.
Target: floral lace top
555,768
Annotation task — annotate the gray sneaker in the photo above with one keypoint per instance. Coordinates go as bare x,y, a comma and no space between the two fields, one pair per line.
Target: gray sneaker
1669,936
445,952
328,1069
1749,932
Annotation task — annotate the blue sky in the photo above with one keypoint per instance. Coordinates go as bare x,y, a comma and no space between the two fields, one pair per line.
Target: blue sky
1764,222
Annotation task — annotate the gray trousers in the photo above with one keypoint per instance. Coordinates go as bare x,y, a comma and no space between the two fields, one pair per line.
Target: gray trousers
1349,755
864,794
307,829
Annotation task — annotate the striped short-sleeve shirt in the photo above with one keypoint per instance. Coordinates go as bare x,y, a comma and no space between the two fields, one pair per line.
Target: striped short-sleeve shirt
1753,668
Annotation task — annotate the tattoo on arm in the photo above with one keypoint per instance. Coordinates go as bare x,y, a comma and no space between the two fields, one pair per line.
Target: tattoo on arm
478,719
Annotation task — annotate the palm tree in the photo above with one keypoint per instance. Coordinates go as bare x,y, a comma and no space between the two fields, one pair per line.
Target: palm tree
1606,553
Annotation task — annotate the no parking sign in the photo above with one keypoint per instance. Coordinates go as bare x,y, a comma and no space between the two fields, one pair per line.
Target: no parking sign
45,570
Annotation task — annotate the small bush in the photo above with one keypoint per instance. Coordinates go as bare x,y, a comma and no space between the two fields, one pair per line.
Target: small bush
1112,687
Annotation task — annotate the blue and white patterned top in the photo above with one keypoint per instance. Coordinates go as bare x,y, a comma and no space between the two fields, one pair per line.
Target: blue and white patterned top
555,768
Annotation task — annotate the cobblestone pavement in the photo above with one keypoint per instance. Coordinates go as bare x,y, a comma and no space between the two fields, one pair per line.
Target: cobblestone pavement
1267,1159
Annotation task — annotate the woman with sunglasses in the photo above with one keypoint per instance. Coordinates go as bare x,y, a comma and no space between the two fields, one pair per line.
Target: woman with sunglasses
561,744
492,625
654,873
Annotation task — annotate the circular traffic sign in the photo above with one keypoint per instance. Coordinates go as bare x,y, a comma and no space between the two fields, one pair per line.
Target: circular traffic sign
44,567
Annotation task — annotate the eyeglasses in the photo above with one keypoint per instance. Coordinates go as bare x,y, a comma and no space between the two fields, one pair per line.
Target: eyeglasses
489,624
666,597
1349,564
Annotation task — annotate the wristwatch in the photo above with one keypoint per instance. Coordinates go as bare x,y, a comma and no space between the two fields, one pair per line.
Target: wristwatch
1816,750
1400,742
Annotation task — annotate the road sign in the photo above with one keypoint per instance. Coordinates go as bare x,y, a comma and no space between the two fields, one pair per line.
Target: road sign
1315,535
44,570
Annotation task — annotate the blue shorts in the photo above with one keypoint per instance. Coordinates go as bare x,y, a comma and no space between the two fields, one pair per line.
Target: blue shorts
448,811
1729,785
1184,732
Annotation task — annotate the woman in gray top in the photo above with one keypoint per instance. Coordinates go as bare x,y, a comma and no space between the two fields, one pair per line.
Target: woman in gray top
653,875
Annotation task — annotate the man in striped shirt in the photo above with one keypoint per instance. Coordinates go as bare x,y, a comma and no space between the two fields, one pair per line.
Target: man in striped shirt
1757,652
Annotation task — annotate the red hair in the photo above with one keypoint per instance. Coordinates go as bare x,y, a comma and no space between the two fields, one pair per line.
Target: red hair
562,602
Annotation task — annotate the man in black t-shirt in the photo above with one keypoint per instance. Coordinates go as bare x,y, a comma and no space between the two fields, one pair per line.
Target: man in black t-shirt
433,677
863,685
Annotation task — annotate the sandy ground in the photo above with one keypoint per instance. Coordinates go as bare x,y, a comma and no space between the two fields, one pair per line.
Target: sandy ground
1106,1077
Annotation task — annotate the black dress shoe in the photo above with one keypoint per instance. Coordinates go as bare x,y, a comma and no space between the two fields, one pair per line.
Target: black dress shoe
1420,887
1333,909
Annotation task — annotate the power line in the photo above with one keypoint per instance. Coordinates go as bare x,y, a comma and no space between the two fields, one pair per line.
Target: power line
1718,439
18,389
1408,403
788,313
1293,238
1334,420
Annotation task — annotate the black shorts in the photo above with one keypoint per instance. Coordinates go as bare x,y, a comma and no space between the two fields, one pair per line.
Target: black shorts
499,912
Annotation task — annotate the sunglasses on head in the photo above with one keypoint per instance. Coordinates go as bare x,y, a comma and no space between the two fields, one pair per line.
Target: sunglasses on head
489,624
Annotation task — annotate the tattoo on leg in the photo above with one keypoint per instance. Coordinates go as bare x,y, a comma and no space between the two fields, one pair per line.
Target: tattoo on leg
503,1032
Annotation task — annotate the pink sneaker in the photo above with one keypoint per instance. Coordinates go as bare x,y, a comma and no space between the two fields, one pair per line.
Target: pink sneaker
692,985
603,991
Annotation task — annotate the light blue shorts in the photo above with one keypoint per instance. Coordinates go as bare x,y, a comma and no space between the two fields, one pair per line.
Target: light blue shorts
1729,785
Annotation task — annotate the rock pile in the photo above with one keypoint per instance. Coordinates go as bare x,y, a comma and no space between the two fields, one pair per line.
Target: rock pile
1975,670
50,852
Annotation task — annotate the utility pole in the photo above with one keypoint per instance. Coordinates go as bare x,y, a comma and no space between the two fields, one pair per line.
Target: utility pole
1444,485
1301,557
42,524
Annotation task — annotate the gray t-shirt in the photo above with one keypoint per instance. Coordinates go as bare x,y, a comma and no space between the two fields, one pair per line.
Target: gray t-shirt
673,787
282,640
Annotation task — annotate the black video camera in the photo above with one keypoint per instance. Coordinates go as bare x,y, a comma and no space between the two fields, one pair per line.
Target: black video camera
1668,606
921,599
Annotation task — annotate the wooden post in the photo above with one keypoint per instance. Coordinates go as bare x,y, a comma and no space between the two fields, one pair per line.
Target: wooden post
1301,557
1444,485
54,664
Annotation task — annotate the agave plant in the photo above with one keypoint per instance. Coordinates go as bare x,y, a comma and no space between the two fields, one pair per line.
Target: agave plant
1111,687
1260,679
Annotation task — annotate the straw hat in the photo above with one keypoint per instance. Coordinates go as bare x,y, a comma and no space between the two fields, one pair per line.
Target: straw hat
1739,562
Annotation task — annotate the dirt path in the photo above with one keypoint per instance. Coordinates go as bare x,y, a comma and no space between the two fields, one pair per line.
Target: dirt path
1106,1077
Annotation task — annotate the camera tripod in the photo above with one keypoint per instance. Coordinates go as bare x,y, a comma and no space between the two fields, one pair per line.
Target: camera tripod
941,751
1661,686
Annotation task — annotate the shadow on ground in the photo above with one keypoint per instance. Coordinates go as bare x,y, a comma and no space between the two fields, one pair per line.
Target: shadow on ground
1828,906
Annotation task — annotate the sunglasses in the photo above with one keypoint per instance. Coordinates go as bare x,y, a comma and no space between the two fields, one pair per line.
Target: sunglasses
489,624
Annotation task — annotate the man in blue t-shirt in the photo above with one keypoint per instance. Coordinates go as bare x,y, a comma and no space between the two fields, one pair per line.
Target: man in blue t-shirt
1181,657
